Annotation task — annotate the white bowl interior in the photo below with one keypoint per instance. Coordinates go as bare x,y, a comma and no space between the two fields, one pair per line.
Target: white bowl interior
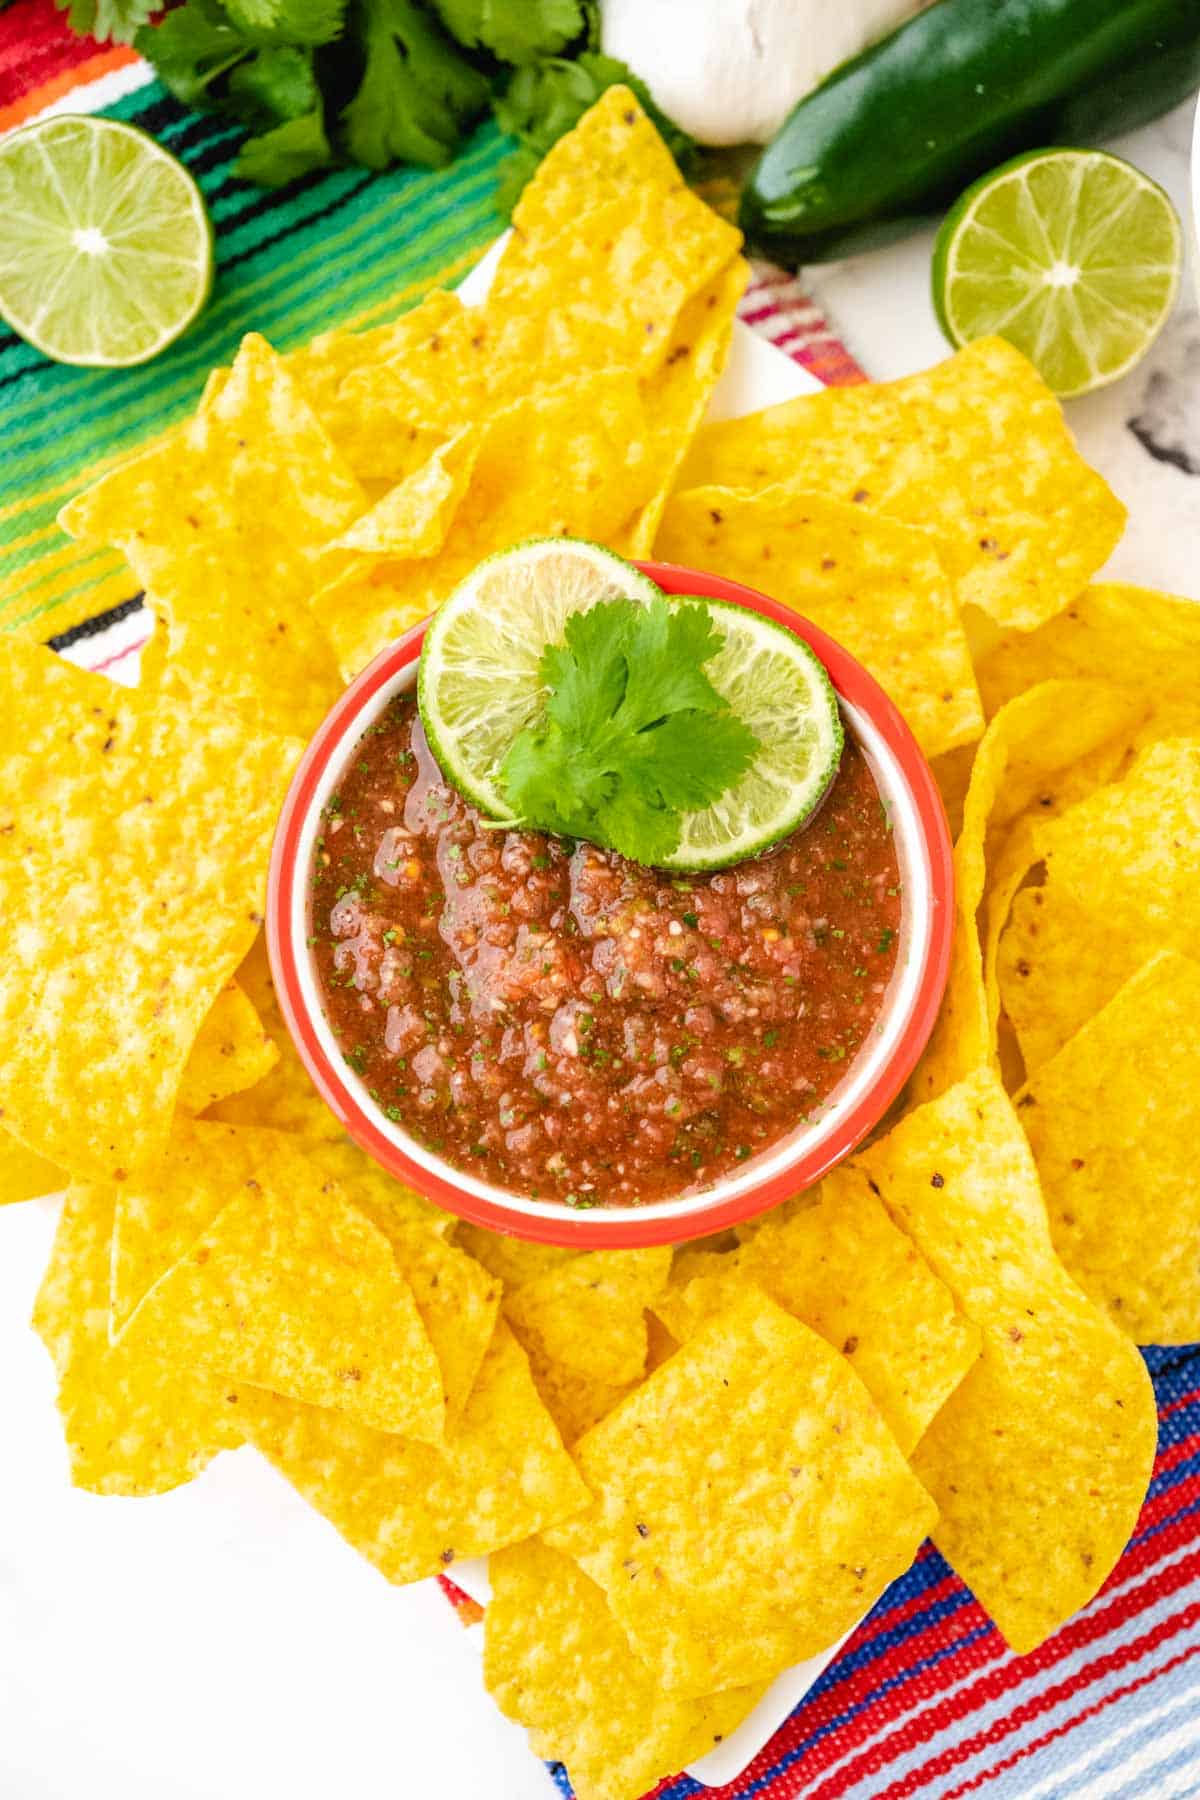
862,1073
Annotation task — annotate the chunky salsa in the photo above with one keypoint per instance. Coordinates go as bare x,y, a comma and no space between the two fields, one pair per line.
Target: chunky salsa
572,1026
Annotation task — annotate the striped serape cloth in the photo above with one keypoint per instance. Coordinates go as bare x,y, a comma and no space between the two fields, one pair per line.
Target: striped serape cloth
924,1699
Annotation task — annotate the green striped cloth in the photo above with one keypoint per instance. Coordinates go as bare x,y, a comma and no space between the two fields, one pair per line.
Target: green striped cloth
350,247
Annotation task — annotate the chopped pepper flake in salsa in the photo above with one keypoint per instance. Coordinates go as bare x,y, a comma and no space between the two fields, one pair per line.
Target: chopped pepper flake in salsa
573,1026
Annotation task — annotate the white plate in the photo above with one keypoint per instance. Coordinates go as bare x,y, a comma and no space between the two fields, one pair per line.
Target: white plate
756,375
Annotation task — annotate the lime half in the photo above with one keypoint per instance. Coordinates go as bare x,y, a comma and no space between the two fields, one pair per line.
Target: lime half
1073,256
479,686
106,252
779,688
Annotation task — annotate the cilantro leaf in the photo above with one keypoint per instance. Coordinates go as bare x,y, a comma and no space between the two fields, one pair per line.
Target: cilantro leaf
514,31
547,99
285,153
633,735
296,22
115,21
418,93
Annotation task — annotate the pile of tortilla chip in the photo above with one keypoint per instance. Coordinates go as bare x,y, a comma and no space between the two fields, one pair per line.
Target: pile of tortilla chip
691,1468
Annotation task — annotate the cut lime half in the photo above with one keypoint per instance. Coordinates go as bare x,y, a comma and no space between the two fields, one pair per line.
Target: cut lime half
1073,256
779,688
106,249
479,686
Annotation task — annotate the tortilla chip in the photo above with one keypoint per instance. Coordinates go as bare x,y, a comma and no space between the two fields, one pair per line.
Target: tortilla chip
414,517
613,149
1113,1121
846,1271
231,1052
1036,755
750,1504
1039,1460
220,523
1122,873
608,289
976,449
446,375
328,366
678,393
1132,636
133,857
285,1097
584,1328
459,1302
132,1425
411,1509
878,587
556,1661
24,1176
582,449
514,1260
288,1287
588,1315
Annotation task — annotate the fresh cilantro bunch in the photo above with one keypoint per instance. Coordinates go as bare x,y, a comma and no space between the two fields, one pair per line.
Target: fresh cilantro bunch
373,82
633,735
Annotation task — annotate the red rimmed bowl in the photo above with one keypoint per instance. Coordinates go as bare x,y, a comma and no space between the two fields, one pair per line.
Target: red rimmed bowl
795,1161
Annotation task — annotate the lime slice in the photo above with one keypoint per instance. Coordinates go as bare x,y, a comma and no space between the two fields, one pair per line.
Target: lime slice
478,687
779,688
106,252
1073,256
478,684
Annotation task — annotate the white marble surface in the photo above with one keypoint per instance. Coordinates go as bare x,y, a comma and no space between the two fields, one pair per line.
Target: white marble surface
881,305
221,1643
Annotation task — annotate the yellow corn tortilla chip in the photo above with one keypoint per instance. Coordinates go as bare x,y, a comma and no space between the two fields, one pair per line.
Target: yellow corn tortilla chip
414,517
750,1506
323,367
1034,756
289,1288
133,855
24,1176
409,1508
677,394
221,524
614,148
556,1661
284,1097
1132,636
231,1052
588,1315
443,377
584,1328
132,1425
158,1222
608,288
1122,873
1113,1121
1039,1460
877,586
458,1301
976,449
582,449
514,1260
845,1270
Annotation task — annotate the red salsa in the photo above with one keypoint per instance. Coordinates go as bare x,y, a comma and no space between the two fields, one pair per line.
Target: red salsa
572,1026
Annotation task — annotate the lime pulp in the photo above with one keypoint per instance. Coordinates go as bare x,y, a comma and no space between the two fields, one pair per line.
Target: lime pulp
106,254
1073,256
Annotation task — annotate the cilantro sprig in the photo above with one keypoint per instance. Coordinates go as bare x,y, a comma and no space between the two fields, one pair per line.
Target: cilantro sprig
633,734
373,82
